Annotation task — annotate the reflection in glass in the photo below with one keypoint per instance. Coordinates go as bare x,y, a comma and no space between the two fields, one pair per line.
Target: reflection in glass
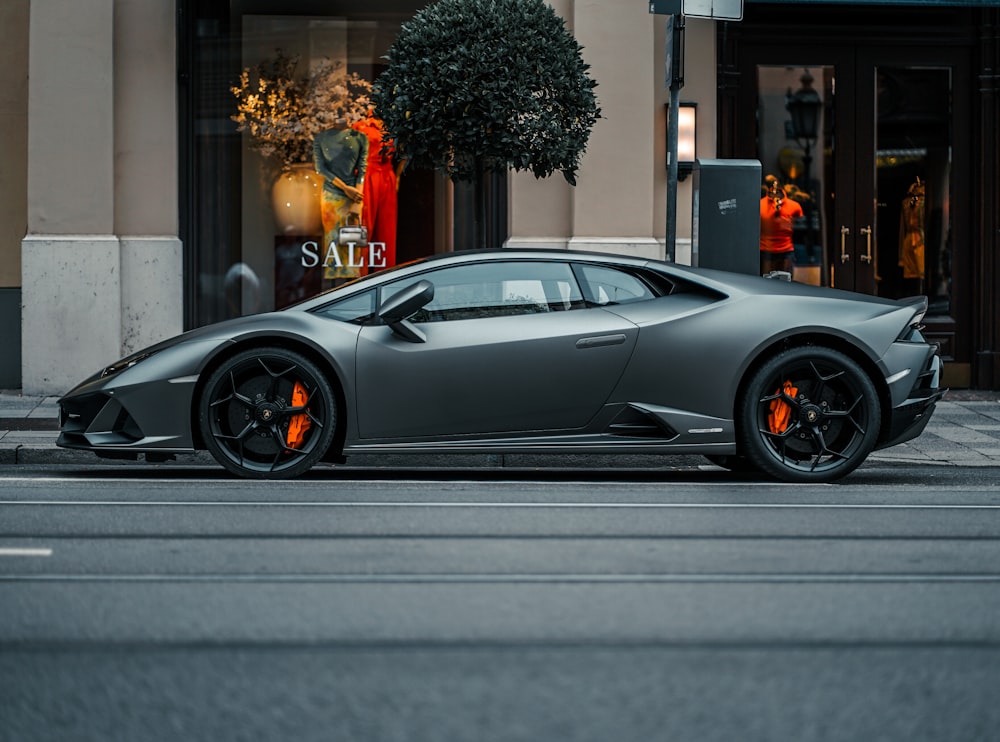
913,175
795,143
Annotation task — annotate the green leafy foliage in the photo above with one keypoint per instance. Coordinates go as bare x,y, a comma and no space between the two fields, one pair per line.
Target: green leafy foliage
474,86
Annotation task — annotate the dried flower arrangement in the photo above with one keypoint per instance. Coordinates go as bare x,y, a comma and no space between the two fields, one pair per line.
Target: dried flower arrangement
282,110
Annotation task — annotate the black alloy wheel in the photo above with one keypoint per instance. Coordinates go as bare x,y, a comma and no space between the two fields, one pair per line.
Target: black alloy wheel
268,414
809,414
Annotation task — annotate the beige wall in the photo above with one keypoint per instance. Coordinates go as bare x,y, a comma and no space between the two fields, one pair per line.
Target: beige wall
622,183
613,197
699,87
13,137
541,210
145,122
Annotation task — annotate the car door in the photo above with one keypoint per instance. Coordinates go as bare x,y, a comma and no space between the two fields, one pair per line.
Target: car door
511,346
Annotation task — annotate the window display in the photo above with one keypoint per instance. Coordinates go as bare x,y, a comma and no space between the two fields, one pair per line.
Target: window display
286,154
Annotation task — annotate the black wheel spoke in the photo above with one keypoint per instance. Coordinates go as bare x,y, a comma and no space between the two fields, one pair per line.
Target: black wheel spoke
830,423
848,416
268,413
241,436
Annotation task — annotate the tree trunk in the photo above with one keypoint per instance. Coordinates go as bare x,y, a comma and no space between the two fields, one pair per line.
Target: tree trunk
480,204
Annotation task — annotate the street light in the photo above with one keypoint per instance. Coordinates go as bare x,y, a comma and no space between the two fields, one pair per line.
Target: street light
687,126
804,105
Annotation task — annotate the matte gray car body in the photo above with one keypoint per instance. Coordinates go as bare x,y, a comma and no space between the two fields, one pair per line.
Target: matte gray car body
667,371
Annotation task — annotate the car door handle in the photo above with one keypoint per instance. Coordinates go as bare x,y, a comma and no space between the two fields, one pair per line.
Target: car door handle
601,340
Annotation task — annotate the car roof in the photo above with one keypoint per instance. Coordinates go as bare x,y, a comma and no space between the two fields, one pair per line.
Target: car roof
467,256
723,282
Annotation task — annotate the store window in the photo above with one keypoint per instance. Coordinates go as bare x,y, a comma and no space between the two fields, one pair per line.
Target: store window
261,83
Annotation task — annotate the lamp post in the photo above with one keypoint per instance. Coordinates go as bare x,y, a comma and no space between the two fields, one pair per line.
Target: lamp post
804,106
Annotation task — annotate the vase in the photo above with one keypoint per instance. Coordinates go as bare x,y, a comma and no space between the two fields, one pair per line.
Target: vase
295,199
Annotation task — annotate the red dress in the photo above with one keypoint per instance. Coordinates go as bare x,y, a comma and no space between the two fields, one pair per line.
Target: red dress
379,212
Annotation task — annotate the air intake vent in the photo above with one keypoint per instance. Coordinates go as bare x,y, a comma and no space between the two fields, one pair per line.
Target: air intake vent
635,423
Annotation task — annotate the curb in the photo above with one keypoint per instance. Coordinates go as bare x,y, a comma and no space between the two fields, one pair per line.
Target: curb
964,432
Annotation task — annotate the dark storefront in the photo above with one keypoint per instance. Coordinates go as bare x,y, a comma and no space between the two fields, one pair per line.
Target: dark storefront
898,183
248,245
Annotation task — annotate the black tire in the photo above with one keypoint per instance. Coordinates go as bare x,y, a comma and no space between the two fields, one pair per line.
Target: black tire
253,424
827,416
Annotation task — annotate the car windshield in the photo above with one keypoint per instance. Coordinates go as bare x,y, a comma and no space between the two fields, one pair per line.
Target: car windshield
331,292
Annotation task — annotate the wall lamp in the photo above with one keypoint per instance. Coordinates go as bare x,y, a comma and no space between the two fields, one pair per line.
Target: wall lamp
687,125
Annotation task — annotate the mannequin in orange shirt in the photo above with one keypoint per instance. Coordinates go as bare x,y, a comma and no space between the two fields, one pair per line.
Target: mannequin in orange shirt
777,217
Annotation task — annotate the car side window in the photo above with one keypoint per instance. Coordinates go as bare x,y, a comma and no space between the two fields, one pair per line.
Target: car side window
357,309
495,289
604,285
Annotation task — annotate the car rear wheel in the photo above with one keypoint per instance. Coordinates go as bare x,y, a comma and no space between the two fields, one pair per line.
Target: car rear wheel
267,414
809,415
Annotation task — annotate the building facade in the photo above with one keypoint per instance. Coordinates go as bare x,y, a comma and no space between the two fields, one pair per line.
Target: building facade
133,207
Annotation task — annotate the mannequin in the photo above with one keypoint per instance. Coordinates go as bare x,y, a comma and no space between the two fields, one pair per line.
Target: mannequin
911,233
777,217
341,157
381,187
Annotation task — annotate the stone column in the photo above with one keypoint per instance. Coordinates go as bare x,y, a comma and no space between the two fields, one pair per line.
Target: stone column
146,175
101,163
70,269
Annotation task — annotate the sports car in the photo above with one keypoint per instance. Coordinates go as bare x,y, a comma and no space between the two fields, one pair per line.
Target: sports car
514,351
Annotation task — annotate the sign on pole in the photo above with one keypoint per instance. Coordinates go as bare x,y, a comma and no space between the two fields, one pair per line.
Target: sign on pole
665,7
722,10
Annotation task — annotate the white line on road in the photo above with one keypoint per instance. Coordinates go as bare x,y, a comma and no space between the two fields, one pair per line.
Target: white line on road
821,577
10,552
487,505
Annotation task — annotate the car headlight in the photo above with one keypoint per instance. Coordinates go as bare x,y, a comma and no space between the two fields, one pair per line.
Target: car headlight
126,363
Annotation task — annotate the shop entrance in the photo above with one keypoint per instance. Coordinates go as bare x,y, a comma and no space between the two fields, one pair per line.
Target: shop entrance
880,178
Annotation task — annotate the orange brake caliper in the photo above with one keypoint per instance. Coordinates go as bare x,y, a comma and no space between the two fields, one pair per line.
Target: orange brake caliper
299,424
781,411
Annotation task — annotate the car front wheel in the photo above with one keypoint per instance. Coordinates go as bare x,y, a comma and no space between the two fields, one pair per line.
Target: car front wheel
268,413
809,414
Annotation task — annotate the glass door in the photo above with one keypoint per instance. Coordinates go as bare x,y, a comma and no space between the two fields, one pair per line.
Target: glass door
873,175
798,163
909,245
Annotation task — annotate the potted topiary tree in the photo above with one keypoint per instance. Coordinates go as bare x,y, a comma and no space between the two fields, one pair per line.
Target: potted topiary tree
480,86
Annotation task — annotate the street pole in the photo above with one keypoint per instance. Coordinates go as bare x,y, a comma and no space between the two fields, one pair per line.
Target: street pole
675,80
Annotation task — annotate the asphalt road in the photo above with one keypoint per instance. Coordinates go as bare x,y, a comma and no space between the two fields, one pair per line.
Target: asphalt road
149,603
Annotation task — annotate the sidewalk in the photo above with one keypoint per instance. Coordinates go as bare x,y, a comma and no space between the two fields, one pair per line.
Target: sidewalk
964,431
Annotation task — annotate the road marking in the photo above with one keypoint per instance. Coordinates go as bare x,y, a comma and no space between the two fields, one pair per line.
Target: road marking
243,484
486,505
10,552
781,578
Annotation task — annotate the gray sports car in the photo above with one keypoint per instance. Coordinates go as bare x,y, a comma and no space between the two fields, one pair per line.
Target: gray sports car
529,351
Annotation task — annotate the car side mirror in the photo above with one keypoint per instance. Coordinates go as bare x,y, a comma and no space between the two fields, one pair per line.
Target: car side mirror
397,310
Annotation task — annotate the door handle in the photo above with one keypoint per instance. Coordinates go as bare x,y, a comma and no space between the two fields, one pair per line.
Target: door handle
844,231
867,231
600,341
